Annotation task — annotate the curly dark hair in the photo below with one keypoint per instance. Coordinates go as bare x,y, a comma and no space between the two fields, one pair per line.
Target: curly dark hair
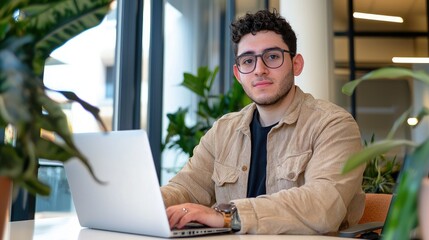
260,21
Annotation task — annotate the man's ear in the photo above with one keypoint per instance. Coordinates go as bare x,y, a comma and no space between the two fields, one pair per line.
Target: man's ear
298,64
237,73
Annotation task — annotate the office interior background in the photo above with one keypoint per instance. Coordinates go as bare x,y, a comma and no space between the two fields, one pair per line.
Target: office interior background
132,64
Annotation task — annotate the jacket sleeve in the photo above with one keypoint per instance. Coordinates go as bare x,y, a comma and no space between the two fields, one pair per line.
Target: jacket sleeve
193,184
323,202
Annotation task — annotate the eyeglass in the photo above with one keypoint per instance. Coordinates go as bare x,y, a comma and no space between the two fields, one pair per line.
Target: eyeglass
272,58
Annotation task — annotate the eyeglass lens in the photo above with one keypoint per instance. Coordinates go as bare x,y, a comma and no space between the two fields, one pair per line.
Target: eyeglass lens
272,58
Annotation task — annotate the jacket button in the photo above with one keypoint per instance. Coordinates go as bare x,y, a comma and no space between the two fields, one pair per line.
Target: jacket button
291,175
244,168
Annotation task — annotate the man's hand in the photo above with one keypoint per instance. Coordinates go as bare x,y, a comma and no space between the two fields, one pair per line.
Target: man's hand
179,215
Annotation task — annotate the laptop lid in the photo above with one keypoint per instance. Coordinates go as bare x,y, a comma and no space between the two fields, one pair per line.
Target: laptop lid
131,199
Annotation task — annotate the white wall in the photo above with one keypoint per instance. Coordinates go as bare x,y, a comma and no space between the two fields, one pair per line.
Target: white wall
312,22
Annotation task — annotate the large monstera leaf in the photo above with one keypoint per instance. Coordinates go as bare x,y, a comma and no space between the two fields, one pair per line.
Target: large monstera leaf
29,31
54,22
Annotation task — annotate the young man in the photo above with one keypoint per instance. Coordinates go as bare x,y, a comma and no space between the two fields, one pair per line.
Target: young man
275,166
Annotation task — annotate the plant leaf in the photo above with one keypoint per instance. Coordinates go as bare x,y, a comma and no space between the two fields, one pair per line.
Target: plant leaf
29,149
11,164
34,186
14,98
199,83
59,123
383,73
95,111
26,40
55,24
212,78
403,217
55,117
422,113
372,151
398,122
349,87
49,150
210,108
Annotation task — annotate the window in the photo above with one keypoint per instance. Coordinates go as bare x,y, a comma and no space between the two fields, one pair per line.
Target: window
84,65
373,44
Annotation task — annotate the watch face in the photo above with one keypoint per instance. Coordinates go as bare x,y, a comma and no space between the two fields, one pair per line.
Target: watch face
226,208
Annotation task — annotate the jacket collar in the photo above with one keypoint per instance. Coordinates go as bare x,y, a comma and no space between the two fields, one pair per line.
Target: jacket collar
290,116
292,113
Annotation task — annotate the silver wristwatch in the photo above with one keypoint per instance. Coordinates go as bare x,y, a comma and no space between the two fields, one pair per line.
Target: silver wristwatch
230,216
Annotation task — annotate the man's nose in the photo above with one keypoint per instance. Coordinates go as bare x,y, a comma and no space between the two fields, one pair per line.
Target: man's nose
260,67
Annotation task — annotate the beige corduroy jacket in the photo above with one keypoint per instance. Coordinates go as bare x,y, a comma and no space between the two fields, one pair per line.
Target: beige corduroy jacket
306,150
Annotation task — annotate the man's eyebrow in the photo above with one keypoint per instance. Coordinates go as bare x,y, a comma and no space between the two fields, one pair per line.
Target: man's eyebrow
247,53
266,49
272,48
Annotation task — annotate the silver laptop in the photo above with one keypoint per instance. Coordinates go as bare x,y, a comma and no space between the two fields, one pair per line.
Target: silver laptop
131,200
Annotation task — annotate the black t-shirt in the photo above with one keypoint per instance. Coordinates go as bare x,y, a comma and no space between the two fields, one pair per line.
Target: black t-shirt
258,159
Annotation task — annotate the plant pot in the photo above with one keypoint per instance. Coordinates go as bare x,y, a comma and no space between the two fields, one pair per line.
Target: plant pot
5,202
424,209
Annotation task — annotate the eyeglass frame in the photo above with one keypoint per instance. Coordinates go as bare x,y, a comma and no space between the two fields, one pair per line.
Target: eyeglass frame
260,55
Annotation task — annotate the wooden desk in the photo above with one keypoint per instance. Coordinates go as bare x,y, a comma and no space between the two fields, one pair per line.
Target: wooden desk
68,228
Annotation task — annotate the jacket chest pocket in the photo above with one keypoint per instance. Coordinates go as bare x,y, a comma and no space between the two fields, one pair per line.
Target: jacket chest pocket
223,174
290,170
225,179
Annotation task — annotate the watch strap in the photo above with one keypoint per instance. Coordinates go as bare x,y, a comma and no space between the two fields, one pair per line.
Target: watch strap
235,222
227,210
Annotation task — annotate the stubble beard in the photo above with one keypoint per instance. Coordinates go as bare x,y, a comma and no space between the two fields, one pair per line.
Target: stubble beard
279,96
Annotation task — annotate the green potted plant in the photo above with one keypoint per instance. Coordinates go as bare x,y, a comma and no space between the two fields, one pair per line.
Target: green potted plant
380,173
29,32
211,106
404,213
